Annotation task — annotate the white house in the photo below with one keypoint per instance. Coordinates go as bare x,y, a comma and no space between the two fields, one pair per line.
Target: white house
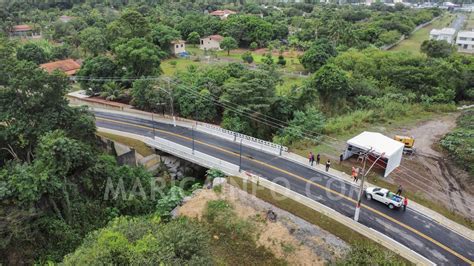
444,34
178,47
465,40
212,42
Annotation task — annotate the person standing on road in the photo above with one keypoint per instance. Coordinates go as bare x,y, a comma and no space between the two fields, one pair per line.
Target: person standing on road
400,190
328,164
353,173
357,170
311,158
405,203
340,158
318,158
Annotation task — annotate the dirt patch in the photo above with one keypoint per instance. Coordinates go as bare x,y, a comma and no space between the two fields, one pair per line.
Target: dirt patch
290,238
432,173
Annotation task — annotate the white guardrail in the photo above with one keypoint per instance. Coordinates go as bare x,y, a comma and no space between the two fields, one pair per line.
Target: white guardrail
192,156
249,141
366,231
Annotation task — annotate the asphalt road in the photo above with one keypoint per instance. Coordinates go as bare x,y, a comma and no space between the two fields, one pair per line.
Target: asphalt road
458,22
413,229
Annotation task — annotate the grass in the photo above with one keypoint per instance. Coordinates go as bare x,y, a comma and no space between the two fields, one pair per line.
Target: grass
138,145
288,83
234,238
470,22
413,42
332,226
181,65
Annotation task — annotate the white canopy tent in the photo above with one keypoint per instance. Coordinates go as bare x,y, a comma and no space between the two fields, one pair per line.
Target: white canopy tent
378,144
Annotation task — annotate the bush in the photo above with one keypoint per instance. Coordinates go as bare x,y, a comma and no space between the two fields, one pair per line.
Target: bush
346,123
460,142
368,254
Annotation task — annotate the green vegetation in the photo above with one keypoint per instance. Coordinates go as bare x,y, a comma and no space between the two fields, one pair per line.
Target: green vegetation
460,142
413,42
362,247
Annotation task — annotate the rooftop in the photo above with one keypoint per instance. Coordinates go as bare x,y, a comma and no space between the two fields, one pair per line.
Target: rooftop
377,142
215,37
68,66
466,33
177,42
21,28
222,12
444,31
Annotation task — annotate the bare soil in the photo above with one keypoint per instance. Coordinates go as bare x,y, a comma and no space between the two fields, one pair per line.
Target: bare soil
430,172
289,238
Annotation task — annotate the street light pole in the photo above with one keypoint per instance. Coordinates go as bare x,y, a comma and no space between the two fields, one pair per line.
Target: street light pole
153,123
171,98
359,198
192,132
240,156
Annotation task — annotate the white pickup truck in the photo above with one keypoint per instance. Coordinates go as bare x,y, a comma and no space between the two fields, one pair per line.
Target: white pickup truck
385,196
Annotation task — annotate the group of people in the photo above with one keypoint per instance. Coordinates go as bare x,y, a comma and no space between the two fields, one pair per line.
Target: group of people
318,159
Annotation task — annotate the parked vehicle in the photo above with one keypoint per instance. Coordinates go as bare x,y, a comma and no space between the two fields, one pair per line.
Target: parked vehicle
383,195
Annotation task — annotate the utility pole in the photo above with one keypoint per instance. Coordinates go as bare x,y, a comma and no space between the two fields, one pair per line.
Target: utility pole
361,189
240,156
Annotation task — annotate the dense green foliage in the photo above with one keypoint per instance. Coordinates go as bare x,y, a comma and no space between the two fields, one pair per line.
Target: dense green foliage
460,142
434,48
145,241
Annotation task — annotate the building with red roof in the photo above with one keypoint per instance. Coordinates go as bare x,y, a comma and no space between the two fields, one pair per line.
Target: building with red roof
223,14
68,66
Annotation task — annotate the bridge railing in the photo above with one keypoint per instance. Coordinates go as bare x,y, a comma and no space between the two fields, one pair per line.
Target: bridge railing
237,137
192,156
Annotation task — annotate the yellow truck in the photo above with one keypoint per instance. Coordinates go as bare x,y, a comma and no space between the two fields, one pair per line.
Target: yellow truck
408,141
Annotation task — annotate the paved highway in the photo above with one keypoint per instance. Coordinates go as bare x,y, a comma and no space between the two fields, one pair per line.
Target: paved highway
423,235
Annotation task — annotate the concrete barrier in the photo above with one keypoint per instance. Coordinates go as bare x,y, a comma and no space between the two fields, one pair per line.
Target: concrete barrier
368,232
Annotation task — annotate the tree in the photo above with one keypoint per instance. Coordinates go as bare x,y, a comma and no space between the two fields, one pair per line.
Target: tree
268,59
93,41
198,105
332,85
193,38
100,66
228,43
139,57
246,29
281,60
247,57
435,48
146,95
252,96
253,46
61,52
32,52
162,36
317,55
311,120
31,104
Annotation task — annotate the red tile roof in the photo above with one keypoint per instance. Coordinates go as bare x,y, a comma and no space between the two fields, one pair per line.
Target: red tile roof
222,12
68,66
216,38
21,28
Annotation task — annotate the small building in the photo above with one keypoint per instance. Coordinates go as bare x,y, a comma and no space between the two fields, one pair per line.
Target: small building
178,47
65,18
68,66
376,145
22,31
444,34
212,42
222,14
465,40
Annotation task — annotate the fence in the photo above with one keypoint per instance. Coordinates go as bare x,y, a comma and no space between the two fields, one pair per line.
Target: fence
238,137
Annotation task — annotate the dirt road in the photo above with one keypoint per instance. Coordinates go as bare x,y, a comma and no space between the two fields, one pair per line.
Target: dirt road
430,172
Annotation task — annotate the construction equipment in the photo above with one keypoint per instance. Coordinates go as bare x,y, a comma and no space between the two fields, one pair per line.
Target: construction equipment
409,143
